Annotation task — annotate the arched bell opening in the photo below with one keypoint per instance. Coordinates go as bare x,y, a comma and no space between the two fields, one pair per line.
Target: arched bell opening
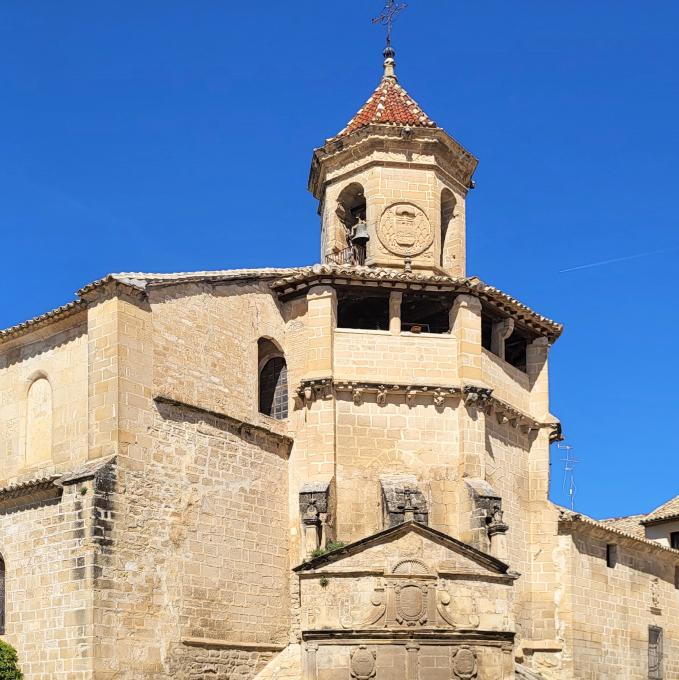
351,214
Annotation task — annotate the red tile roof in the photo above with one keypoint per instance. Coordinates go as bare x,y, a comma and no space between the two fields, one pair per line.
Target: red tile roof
389,104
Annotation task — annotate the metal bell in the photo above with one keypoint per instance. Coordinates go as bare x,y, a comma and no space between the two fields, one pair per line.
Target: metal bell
360,237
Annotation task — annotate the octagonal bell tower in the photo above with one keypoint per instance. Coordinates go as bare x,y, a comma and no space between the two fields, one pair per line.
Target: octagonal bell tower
392,187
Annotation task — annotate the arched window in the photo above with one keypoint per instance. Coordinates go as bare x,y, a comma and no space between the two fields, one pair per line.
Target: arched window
39,422
273,380
2,596
447,239
350,237
273,388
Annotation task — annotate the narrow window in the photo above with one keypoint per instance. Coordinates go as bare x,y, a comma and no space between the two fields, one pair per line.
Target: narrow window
655,653
2,596
676,577
674,540
448,244
361,310
39,423
486,332
611,555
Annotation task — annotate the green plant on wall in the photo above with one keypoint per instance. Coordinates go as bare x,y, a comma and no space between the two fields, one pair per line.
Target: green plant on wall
333,545
9,663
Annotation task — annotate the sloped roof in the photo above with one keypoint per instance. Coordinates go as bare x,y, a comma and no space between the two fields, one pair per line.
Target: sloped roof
569,516
139,281
630,524
666,511
389,104
298,279
284,279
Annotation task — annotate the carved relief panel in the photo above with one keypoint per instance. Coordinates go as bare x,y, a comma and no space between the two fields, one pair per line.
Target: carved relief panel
405,230
363,663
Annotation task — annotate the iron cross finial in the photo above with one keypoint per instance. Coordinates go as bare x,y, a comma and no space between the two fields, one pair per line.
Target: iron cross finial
389,13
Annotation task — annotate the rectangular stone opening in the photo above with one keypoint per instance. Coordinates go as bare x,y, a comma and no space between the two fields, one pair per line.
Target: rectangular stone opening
611,555
367,311
655,653
674,540
426,313
515,350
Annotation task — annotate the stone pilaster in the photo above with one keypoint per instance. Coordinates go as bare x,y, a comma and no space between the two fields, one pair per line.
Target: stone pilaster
395,299
321,322
120,369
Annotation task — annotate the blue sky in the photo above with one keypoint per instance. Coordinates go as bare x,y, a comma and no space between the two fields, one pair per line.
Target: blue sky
175,136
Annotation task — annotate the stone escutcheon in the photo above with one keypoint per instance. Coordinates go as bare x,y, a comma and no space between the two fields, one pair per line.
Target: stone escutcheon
405,230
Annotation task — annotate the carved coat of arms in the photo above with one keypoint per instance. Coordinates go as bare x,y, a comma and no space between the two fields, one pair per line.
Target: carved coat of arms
405,230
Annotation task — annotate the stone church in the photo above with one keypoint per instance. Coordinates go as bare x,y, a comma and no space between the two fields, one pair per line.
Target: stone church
328,472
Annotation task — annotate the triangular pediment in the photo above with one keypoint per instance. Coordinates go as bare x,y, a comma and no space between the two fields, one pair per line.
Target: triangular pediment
409,549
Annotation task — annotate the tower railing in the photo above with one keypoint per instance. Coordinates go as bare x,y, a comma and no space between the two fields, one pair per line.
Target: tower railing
353,255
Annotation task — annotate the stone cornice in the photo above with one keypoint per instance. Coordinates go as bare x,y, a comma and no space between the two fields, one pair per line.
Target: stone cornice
59,314
303,279
112,286
474,396
454,159
440,636
211,643
28,487
243,426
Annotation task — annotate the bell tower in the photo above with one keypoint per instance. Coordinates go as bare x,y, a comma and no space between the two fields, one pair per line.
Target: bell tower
392,187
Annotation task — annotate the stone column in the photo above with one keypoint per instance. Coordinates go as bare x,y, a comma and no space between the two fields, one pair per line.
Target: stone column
497,532
310,668
465,326
501,331
537,368
412,648
395,299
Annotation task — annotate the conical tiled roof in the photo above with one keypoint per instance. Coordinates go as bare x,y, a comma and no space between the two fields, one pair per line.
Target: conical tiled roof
389,104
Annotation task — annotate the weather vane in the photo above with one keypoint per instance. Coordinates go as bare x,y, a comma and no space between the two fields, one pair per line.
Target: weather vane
389,13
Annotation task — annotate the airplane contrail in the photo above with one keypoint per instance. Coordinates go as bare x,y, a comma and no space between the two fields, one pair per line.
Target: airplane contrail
617,259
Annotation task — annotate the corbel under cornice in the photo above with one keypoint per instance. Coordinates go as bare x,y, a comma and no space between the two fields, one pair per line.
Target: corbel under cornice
474,397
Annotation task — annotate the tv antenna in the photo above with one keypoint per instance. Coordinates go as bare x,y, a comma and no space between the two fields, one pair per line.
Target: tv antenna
569,464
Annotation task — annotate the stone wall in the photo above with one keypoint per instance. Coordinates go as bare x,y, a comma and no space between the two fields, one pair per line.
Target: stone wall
205,340
610,609
45,541
199,531
60,358
374,440
382,357
508,383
